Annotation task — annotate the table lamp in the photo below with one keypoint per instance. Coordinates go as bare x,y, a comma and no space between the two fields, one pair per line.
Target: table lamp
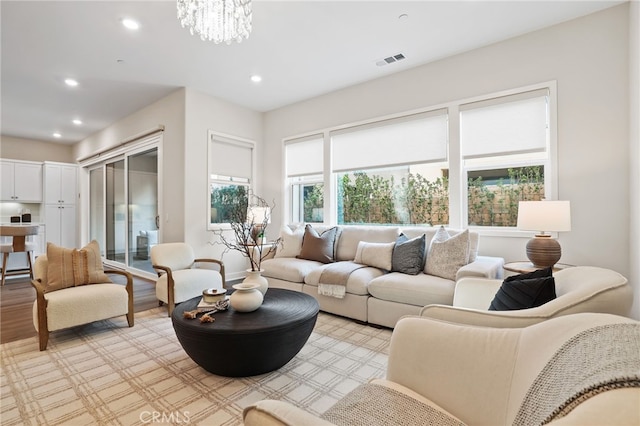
258,217
544,216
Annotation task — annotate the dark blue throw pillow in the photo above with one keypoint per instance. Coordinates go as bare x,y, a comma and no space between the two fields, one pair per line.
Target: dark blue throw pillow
525,291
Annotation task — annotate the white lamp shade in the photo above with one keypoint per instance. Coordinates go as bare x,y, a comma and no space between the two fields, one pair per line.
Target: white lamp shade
258,215
544,216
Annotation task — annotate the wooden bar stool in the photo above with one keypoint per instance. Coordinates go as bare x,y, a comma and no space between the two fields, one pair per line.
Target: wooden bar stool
18,234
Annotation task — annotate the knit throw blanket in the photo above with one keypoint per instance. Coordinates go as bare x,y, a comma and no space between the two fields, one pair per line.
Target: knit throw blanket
334,277
594,361
372,405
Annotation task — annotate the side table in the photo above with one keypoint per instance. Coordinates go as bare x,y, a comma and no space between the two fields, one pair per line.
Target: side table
524,267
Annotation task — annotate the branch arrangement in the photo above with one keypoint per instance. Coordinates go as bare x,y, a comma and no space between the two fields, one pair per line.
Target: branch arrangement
247,233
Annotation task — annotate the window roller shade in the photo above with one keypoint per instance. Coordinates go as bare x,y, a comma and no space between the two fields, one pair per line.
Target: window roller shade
231,158
304,156
420,138
512,124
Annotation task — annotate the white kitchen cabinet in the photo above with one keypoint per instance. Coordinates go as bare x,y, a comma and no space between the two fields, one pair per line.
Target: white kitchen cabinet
60,195
21,181
60,226
60,183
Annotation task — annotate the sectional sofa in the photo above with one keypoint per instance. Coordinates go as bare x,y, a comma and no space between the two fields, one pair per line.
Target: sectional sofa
376,274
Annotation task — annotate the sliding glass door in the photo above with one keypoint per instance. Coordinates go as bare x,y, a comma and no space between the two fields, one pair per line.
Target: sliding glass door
123,207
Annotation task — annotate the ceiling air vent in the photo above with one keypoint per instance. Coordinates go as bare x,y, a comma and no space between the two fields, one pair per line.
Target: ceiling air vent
390,59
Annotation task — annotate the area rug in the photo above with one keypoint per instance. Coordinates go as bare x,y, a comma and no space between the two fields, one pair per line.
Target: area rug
106,373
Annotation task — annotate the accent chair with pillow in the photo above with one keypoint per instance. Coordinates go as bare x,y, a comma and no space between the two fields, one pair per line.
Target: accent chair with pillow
72,288
580,369
181,276
577,289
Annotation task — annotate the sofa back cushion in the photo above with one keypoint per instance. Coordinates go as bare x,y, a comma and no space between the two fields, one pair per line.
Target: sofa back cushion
429,232
350,236
318,246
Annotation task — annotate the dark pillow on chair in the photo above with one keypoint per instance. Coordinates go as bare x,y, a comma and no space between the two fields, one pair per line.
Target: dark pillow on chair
318,247
538,273
408,255
525,291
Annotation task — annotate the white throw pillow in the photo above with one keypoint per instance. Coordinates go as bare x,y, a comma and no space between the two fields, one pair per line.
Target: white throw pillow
290,242
447,254
377,255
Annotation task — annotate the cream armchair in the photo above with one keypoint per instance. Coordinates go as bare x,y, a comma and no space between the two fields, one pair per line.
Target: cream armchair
181,276
441,373
57,309
578,289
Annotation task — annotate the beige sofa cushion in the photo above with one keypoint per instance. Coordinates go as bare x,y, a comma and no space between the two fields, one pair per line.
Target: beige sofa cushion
357,282
350,236
288,268
417,290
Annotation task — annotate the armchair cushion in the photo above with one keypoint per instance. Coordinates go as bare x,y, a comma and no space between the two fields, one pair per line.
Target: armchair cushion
188,283
73,267
81,305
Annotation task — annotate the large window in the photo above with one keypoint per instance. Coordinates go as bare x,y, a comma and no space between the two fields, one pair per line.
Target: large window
392,171
466,163
504,143
304,167
229,181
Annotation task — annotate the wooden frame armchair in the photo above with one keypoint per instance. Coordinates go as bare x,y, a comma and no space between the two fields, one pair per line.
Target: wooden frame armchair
68,307
178,277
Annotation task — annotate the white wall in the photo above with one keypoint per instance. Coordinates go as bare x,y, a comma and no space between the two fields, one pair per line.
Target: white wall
634,133
204,113
588,57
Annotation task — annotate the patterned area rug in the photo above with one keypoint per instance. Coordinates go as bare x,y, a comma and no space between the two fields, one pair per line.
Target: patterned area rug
106,373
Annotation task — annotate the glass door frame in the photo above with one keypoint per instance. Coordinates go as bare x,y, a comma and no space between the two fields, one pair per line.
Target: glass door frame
123,152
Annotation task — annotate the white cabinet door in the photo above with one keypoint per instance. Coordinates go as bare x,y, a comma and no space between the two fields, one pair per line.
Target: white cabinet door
60,226
21,181
6,185
28,182
61,182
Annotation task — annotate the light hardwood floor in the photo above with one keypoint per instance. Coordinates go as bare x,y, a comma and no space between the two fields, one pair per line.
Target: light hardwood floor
17,297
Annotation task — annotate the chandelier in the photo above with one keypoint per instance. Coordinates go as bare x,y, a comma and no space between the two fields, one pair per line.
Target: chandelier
216,20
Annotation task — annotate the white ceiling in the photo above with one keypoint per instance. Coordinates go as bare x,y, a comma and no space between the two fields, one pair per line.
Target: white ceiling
301,49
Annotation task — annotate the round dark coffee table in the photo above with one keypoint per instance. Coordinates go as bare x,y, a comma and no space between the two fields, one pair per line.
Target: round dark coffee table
241,344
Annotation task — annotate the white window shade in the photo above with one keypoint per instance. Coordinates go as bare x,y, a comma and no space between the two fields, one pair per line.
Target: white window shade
230,157
420,138
508,125
304,156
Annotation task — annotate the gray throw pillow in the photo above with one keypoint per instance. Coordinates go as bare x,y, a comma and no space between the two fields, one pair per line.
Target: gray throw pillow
318,247
408,255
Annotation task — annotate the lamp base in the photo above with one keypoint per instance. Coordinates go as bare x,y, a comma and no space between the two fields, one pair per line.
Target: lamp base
543,251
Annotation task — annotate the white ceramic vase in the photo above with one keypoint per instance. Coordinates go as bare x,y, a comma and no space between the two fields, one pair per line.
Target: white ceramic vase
246,298
255,277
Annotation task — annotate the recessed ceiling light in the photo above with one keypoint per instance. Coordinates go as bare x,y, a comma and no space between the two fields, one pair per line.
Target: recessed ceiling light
256,78
70,82
57,135
403,17
77,122
130,24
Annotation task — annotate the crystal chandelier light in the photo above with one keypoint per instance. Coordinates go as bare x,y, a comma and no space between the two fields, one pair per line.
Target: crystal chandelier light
216,20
